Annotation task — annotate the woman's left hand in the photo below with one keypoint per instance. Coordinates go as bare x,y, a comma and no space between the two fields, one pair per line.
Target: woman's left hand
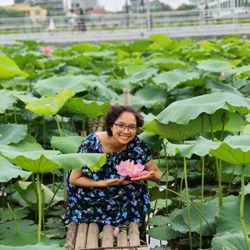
149,176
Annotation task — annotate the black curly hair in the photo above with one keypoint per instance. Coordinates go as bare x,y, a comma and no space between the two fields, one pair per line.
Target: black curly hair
115,111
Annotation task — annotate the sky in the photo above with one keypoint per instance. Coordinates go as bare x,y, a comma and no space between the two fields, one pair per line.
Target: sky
116,5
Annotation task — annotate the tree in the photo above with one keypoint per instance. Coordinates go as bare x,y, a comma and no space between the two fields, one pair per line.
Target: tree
19,1
185,6
11,13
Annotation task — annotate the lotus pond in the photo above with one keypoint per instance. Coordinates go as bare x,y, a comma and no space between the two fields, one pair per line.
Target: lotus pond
195,98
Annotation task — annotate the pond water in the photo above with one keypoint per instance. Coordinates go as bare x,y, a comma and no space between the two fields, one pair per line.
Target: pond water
154,243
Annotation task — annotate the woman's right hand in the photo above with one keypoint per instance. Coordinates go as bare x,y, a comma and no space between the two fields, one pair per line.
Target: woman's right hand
114,182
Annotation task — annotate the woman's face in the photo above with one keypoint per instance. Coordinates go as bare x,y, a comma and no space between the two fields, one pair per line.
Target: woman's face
124,128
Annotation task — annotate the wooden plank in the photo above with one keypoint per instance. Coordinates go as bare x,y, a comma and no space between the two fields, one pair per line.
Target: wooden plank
71,236
122,238
81,237
134,235
93,236
108,236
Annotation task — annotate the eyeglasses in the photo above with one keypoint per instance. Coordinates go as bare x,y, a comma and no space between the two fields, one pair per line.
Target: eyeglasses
121,127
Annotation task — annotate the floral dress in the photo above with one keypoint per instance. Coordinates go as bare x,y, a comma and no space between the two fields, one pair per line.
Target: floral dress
115,205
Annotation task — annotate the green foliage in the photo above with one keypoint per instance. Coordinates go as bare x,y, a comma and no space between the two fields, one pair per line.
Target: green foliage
194,97
4,12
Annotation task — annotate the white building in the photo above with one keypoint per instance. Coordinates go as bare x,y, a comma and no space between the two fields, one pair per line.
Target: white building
219,4
84,4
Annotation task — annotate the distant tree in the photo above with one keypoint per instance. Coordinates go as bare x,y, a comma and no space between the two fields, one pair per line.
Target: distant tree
167,7
47,7
246,4
19,1
185,6
11,13
156,5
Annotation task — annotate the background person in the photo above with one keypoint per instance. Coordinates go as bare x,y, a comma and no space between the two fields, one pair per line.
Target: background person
81,21
71,18
103,196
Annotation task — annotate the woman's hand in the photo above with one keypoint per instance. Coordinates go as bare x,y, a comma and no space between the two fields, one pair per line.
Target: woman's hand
150,176
114,182
154,173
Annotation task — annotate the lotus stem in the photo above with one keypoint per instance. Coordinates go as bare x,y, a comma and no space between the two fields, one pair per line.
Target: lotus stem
13,217
202,195
242,200
44,132
166,191
39,203
58,126
188,205
191,203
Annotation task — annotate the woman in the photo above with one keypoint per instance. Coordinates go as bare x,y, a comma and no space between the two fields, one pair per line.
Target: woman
104,196
81,21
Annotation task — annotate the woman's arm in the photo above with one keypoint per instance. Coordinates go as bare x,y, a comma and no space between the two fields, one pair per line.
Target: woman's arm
77,179
154,172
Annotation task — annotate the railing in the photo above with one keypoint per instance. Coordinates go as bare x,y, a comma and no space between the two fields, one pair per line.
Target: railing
127,21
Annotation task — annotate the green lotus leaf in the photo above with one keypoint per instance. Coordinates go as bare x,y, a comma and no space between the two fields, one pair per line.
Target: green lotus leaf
161,39
140,45
148,97
159,220
228,219
27,240
143,75
49,160
169,63
173,131
50,105
27,190
89,108
229,241
9,69
54,85
67,144
163,233
232,124
12,133
10,171
101,92
7,100
243,70
180,221
214,65
31,157
234,150
8,228
181,112
24,97
172,79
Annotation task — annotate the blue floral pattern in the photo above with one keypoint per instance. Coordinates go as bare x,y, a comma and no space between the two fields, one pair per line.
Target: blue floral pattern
115,205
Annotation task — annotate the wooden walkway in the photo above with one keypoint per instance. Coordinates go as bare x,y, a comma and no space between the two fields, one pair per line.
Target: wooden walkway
88,236
128,35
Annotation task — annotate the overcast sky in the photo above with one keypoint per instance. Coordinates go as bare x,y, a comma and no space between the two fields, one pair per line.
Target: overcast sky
116,5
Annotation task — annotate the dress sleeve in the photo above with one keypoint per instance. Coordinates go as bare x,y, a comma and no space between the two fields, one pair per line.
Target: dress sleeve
89,144
138,151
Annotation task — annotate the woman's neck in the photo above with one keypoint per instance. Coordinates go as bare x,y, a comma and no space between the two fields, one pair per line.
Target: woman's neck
109,144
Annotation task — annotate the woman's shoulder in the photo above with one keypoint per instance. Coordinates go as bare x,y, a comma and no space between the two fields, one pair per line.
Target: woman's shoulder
90,141
137,142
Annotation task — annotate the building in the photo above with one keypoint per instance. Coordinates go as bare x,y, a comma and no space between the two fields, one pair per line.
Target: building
56,7
219,4
30,11
84,4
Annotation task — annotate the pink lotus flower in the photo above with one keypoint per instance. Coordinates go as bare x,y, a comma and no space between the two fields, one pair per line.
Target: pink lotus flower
116,232
129,168
46,50
223,75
